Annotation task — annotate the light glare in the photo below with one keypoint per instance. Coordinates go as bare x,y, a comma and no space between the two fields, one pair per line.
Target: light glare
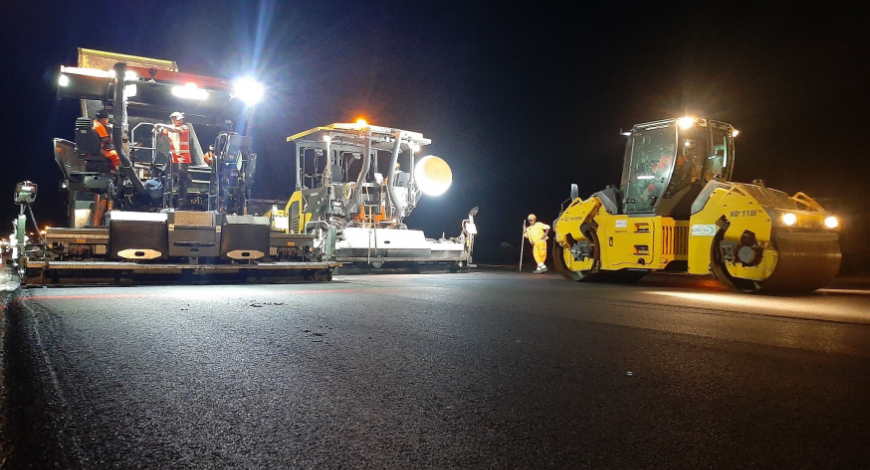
789,219
686,122
831,222
249,90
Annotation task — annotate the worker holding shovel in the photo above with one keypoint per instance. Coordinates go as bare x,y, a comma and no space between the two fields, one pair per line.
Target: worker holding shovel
537,233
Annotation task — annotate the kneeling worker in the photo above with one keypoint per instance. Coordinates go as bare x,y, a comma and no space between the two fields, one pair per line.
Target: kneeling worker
537,235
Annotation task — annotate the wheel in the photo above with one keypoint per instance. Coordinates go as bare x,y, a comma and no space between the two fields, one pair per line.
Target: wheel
572,269
720,271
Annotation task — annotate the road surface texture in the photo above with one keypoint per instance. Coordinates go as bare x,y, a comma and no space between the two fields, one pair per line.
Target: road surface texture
479,370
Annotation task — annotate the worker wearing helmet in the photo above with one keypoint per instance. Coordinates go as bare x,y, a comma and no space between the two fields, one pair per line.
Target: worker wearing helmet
179,142
101,126
537,232
208,157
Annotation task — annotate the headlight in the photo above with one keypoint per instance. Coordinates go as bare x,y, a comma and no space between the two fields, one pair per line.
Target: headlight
789,219
63,80
831,222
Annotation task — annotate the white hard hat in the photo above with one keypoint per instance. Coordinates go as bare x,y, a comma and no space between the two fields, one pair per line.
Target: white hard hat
177,115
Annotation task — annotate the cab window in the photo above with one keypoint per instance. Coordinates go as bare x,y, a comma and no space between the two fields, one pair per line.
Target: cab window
652,160
719,158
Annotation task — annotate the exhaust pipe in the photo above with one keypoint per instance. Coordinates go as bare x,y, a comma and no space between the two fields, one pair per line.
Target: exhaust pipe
397,149
119,109
366,165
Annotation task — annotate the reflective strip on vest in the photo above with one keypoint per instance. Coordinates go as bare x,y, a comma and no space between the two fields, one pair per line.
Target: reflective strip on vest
180,143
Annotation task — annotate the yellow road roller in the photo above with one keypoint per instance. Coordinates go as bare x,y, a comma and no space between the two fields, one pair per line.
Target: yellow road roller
677,210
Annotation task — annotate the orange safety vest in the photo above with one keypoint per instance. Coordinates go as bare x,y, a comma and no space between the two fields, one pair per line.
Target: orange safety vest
180,143
108,152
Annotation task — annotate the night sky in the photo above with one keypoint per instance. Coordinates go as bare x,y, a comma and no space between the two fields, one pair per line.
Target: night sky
520,100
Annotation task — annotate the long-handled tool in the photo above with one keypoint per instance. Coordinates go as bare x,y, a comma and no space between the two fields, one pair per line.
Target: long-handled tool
522,245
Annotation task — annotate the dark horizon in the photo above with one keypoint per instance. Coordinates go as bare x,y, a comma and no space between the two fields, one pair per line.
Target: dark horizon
521,102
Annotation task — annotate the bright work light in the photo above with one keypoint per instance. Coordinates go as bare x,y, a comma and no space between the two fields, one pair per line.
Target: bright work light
686,122
190,92
433,175
249,90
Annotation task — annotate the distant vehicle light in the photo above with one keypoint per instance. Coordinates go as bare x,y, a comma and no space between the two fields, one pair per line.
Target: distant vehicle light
433,175
831,222
190,92
249,90
63,80
789,219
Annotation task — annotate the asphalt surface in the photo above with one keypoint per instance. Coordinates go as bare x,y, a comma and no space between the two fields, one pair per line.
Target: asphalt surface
479,370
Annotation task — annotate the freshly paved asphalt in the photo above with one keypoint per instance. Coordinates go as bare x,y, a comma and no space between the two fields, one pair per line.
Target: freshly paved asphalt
479,370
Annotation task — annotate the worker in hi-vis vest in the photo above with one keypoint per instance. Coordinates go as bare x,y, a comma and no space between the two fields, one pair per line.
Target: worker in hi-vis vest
537,232
101,127
179,143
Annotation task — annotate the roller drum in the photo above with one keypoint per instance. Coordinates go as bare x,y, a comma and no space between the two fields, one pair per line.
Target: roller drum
806,261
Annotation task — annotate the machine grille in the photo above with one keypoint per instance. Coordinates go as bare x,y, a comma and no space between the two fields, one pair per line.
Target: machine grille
667,240
675,240
193,219
681,240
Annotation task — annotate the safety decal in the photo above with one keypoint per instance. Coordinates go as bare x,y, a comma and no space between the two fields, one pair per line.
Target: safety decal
703,230
621,223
